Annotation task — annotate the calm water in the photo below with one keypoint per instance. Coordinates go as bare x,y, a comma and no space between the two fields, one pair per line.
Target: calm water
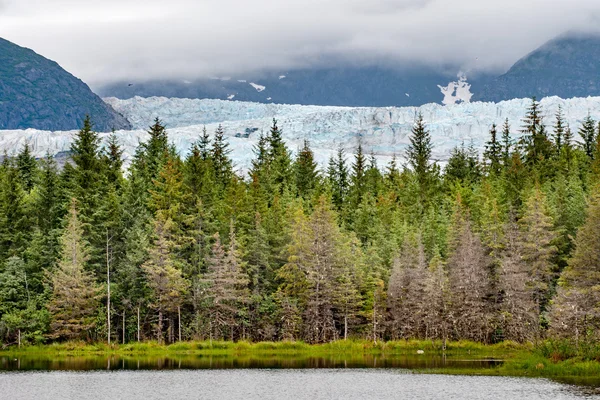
259,384
198,377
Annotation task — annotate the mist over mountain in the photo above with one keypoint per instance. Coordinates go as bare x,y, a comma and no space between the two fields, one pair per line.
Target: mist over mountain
567,66
37,93
371,86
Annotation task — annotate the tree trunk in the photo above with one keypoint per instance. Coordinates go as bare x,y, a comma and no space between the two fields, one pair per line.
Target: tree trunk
179,321
138,323
345,326
123,326
159,328
108,291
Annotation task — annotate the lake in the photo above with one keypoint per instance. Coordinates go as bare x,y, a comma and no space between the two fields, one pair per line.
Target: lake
210,377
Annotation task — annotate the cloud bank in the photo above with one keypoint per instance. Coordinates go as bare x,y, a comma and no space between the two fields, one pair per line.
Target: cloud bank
109,40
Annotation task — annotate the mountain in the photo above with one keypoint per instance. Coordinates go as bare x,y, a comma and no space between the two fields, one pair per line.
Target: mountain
37,93
341,86
567,66
384,131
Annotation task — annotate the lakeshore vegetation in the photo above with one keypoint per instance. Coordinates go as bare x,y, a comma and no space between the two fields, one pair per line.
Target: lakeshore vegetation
502,247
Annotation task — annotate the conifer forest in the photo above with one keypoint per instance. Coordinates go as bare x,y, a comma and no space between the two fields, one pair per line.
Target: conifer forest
503,245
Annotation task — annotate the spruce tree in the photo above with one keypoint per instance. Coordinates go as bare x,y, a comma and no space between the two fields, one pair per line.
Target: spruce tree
28,168
168,286
15,229
306,171
219,155
113,160
588,135
574,313
407,291
506,144
493,152
358,187
469,280
419,154
537,244
559,129
279,160
74,301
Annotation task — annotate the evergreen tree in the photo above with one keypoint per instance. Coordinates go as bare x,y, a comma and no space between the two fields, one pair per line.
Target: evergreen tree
155,150
28,168
337,174
279,160
14,219
469,280
227,294
519,313
493,152
113,160
419,154
559,129
306,171
574,313
74,301
407,291
537,244
588,135
219,155
358,177
506,143
167,285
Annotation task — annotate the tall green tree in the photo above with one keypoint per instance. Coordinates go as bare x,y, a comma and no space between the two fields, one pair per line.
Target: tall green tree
74,301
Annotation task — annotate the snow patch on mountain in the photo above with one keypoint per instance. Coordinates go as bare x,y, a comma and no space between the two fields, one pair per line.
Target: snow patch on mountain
383,131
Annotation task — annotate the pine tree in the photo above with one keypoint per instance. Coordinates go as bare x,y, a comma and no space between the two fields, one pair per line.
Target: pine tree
588,135
534,142
337,175
519,313
506,143
279,160
438,300
28,169
574,313
227,293
537,244
14,218
219,155
306,171
155,150
167,285
419,154
493,152
559,129
88,188
113,160
358,177
407,290
74,301
469,280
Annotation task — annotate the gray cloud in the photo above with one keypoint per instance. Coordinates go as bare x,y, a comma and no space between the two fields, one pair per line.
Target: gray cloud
105,40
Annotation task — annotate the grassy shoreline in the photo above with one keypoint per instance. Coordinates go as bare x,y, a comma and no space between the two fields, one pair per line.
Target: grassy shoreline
518,359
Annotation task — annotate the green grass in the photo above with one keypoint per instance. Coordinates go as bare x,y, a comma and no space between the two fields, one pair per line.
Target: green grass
278,348
552,359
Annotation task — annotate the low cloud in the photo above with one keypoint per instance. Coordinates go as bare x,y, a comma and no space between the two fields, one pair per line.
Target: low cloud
109,40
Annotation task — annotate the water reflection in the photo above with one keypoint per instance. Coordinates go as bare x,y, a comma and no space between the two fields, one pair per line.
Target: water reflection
79,363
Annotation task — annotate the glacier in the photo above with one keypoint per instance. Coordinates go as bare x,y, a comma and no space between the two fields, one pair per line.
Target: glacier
383,131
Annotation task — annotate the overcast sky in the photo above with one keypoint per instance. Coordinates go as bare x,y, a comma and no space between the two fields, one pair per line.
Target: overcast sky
105,40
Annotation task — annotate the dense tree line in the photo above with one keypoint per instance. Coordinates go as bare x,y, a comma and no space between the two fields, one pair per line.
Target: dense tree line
500,247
